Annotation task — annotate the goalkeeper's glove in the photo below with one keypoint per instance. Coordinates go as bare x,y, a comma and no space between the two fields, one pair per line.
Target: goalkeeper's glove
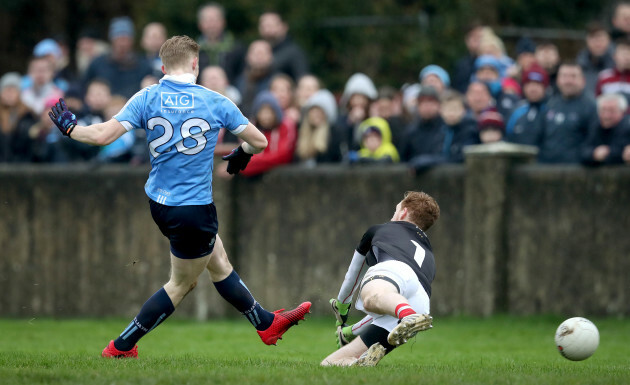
237,160
62,117
344,336
341,311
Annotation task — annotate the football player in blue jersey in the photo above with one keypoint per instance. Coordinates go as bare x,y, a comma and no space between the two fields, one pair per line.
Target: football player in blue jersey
394,291
182,121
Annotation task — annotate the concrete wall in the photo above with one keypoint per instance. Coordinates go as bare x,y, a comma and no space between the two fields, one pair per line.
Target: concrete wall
530,239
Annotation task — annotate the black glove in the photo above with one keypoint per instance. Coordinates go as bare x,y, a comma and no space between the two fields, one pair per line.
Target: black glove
237,160
62,117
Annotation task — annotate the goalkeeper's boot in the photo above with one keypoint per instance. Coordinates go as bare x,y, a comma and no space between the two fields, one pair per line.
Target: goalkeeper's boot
111,352
372,356
344,336
282,321
408,327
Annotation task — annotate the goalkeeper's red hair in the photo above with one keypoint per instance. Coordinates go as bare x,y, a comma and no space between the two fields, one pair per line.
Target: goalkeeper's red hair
422,208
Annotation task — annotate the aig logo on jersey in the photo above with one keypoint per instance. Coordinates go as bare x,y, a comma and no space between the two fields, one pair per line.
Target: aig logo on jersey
178,100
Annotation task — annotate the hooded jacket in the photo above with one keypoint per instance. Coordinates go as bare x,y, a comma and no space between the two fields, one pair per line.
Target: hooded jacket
386,151
281,139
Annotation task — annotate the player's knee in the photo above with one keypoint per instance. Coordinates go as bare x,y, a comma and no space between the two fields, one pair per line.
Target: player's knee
370,301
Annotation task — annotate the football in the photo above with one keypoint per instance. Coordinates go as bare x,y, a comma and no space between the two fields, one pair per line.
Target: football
577,338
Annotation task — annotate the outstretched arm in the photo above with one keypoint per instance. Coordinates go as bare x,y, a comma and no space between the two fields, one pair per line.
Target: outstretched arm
99,134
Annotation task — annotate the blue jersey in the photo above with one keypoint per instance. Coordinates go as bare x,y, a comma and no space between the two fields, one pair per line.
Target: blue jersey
182,121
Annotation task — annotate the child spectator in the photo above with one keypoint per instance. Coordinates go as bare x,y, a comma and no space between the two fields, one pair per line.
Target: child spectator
376,144
459,128
42,88
317,140
491,126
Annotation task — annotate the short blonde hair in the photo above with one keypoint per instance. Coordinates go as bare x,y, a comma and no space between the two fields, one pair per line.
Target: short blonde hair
178,50
423,209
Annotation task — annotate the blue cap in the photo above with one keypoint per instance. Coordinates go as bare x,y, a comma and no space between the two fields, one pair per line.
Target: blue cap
488,61
47,47
121,26
438,71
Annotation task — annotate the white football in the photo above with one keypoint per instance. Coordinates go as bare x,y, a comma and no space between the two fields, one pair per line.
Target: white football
577,338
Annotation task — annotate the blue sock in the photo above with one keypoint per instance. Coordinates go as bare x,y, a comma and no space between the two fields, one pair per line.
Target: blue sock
153,312
237,294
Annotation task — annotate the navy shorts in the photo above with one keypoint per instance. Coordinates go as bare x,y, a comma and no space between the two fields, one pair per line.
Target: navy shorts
191,229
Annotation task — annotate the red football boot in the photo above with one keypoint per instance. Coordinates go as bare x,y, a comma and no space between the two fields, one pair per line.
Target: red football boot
111,352
282,321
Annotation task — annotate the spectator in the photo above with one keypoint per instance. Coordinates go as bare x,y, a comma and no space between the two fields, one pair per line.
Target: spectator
122,68
492,45
15,119
621,20
478,98
256,77
526,123
218,46
617,79
460,129
283,88
317,141
288,57
606,140
42,88
489,72
306,87
357,97
388,106
465,66
548,58
214,78
597,56
280,133
97,98
525,58
45,138
424,136
410,94
568,118
436,77
376,144
153,36
50,50
491,126
88,48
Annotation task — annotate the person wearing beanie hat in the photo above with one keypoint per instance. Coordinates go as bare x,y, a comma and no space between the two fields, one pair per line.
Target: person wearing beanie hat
436,77
318,141
526,122
491,126
122,68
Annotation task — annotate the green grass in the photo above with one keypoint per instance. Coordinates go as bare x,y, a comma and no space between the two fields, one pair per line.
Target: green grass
499,350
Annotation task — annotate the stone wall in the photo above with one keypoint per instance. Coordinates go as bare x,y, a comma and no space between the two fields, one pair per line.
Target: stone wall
513,237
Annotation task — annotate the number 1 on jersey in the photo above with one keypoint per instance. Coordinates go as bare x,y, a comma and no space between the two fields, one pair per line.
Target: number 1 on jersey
419,254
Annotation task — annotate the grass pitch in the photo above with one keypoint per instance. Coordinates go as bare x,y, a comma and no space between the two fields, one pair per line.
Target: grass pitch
498,350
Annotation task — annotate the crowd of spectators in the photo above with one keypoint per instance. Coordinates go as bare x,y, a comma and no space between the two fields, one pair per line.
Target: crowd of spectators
575,110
